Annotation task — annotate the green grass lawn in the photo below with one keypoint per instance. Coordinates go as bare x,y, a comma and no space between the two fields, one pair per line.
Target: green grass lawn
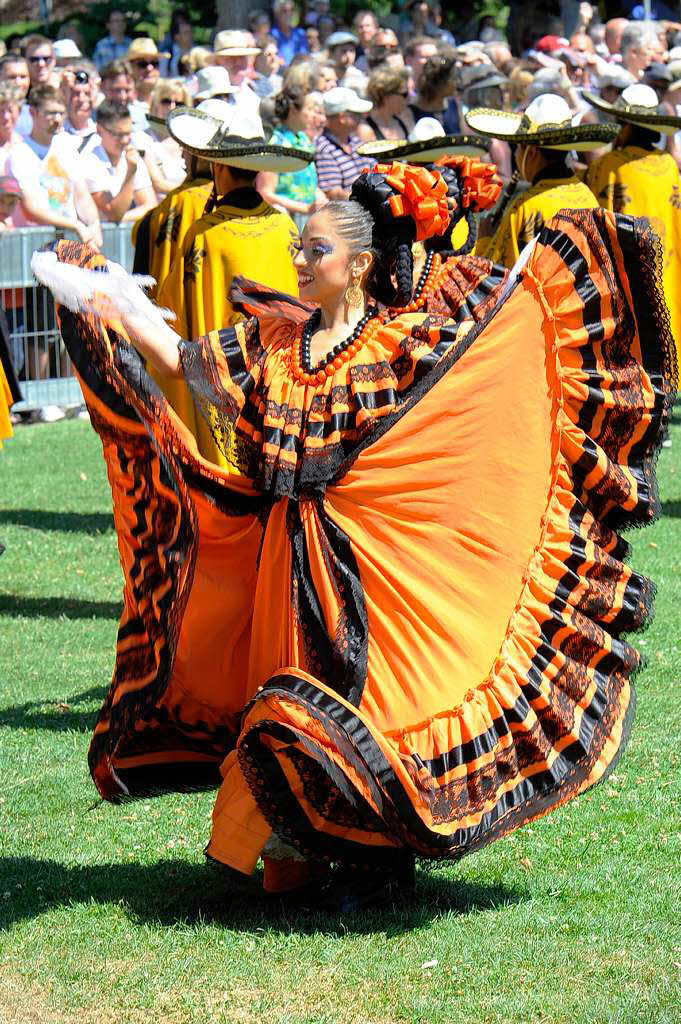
110,914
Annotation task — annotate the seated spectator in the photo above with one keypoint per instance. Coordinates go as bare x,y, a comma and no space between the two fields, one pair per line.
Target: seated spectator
14,71
267,66
388,90
336,157
416,52
117,82
79,109
9,114
145,61
181,42
49,172
115,46
163,157
290,41
115,172
297,192
342,47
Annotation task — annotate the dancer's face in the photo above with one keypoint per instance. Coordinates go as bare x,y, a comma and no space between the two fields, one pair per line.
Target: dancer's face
324,264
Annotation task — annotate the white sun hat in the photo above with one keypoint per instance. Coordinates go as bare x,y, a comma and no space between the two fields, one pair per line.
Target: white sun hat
234,43
213,81
426,143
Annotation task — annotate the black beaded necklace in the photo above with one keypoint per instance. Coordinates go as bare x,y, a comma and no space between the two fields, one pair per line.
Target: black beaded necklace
312,325
420,284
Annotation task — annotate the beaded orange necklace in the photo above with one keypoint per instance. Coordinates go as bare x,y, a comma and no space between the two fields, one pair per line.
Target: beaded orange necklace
338,356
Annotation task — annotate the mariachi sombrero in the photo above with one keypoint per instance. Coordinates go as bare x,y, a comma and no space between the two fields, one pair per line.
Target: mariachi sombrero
638,105
427,142
547,122
238,140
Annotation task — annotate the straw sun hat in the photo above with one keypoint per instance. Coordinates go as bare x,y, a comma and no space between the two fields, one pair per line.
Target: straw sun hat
237,138
547,122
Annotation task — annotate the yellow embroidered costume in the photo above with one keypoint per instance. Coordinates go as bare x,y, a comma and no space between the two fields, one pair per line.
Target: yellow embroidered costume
543,135
157,238
638,179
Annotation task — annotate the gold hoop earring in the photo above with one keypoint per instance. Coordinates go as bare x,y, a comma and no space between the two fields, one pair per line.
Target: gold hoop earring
353,294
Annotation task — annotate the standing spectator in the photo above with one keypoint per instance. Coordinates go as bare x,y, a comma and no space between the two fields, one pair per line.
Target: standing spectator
163,157
296,193
325,77
213,83
144,60
79,108
290,41
181,42
314,43
260,26
388,90
117,82
336,157
236,51
53,189
613,35
423,19
416,52
267,66
40,59
9,114
365,27
384,49
639,46
115,46
115,172
436,88
342,47
14,71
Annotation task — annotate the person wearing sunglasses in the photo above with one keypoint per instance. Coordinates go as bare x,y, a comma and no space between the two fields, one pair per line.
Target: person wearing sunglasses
144,59
40,59
162,155
388,90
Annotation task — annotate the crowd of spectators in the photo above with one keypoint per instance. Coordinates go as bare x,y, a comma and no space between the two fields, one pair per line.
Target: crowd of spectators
77,146
79,138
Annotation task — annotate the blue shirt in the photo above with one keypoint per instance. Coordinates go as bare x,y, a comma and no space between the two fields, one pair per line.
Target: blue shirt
108,49
290,46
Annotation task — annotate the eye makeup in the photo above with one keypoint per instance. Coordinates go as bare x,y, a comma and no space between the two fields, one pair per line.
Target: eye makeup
315,249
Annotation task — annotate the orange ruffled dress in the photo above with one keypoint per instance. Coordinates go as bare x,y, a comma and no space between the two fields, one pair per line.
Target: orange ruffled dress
403,625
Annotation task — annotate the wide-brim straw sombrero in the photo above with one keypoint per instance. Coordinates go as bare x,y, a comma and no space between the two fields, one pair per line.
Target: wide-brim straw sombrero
638,105
238,141
159,126
425,151
426,143
547,122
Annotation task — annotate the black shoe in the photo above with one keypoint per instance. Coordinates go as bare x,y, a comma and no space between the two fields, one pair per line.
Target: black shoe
354,888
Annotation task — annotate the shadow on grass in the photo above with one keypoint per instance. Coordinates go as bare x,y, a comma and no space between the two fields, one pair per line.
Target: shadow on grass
672,509
58,608
173,892
64,522
56,716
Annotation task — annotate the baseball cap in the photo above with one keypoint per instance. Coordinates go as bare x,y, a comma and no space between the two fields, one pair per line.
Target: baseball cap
338,38
339,100
9,186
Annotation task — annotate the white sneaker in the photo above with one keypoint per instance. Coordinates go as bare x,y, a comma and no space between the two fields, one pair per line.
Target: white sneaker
50,414
667,443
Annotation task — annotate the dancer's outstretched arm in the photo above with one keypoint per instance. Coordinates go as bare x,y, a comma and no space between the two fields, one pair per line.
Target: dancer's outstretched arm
158,343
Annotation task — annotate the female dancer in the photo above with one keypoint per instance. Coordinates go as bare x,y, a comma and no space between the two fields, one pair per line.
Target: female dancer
400,631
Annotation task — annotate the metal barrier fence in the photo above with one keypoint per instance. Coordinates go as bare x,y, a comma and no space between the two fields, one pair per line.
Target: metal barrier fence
39,356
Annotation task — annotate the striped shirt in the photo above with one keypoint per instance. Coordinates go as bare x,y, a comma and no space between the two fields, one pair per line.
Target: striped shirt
335,167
